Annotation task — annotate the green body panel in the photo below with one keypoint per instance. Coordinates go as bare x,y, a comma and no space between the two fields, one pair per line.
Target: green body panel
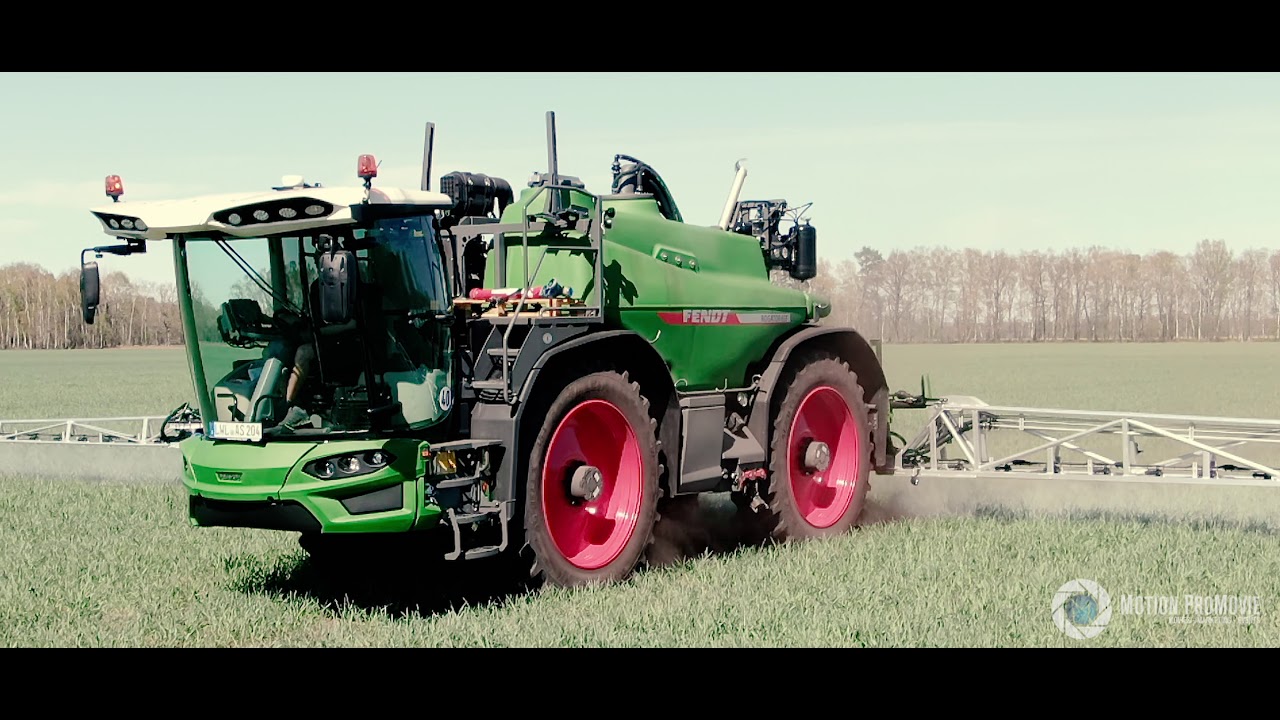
656,269
273,471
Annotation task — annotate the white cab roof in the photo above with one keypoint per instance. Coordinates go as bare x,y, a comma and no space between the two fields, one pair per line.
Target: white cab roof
310,207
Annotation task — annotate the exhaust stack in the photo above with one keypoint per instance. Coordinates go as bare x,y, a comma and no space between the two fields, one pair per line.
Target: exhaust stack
427,148
553,164
732,203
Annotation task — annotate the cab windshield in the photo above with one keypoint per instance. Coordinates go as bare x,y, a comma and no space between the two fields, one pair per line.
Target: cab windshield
335,330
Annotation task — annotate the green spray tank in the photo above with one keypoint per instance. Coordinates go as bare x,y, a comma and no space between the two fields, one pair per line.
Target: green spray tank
702,295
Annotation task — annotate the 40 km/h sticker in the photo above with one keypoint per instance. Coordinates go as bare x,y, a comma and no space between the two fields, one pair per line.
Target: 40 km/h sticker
724,317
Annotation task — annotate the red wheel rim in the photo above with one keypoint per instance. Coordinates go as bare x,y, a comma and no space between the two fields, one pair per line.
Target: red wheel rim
591,533
823,497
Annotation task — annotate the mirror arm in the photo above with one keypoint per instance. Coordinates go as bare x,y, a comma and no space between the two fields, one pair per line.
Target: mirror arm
89,308
130,247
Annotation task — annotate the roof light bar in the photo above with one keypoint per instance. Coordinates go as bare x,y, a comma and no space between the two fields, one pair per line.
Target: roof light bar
273,212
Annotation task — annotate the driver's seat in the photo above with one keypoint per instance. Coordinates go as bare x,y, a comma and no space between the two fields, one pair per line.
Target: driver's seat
268,387
338,346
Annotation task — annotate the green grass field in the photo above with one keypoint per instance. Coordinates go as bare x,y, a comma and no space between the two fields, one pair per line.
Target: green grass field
41,384
110,565
1189,378
1235,379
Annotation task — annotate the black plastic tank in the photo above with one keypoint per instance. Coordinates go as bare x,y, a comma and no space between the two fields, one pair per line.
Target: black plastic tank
805,262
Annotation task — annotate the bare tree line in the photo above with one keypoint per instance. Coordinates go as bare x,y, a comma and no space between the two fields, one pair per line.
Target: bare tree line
40,310
918,295
941,295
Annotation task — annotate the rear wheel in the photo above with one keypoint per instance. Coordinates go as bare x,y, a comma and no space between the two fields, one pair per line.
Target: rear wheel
592,490
820,456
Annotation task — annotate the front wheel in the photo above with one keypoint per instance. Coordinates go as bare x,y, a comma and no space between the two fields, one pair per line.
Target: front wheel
592,490
820,457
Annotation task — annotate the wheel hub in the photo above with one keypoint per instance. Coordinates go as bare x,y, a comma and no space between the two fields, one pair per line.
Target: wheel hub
817,456
586,483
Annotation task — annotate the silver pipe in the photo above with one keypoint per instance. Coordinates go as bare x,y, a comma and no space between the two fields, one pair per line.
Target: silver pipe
732,203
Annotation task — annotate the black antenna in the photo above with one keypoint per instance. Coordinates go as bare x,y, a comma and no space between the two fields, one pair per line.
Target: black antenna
426,156
552,165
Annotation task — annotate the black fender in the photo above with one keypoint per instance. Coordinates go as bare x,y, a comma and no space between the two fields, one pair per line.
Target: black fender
631,352
559,364
604,345
853,348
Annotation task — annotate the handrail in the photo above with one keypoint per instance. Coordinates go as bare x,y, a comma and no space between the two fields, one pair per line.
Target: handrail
596,244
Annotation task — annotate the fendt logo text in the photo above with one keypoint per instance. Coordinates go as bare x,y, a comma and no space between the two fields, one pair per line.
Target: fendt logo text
724,317
708,317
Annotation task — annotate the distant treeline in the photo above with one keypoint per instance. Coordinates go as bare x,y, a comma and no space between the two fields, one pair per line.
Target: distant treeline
40,310
947,296
931,295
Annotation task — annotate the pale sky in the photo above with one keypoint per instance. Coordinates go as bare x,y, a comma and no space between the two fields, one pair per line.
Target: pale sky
1014,161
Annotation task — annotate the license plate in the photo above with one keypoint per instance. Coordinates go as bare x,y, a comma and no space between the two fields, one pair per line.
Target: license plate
249,432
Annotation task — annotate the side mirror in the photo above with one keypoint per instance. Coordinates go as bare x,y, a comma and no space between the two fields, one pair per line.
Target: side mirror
338,279
89,290
805,261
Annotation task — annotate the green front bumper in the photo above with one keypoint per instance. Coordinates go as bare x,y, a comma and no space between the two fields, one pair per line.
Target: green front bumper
234,484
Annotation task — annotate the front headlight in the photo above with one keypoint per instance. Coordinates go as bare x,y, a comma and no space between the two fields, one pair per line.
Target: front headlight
348,464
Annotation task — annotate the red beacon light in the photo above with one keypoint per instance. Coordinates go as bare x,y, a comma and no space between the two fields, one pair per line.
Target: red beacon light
367,168
115,188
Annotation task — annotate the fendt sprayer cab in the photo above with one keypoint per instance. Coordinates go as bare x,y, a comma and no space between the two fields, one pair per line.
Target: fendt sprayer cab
531,375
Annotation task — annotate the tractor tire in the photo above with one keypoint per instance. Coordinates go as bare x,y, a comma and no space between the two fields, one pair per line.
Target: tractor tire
817,490
592,528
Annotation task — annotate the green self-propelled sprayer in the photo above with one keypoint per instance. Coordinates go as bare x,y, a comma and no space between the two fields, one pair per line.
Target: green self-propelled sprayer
531,374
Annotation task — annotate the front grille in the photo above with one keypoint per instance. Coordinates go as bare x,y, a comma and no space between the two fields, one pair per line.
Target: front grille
262,514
